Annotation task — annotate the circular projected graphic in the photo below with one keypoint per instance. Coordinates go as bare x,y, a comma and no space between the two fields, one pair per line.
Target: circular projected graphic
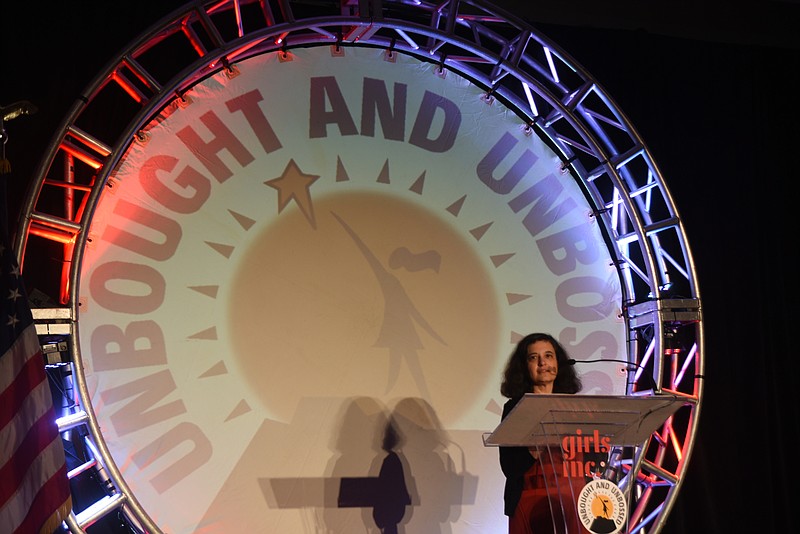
317,232
351,319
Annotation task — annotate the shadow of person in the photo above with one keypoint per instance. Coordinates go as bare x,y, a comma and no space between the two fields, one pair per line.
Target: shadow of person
435,486
370,498
355,465
392,496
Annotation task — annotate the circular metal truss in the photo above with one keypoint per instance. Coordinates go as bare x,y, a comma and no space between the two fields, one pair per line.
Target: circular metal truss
549,91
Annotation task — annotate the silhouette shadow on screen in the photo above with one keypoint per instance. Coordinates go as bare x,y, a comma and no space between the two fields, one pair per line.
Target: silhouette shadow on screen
386,494
410,481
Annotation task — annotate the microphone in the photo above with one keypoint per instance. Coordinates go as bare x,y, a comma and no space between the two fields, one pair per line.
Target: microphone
648,385
573,361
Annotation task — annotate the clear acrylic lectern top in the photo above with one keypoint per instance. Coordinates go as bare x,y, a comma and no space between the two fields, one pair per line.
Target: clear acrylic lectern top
546,419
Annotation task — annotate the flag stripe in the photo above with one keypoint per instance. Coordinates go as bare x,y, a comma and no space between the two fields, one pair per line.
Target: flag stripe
21,505
35,405
13,397
52,491
34,488
37,439
23,348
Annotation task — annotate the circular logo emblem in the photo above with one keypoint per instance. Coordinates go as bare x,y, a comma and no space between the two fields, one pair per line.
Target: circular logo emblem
602,508
311,256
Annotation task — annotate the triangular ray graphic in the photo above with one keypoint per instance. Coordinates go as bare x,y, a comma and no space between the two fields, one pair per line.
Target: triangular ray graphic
514,298
383,177
516,337
341,172
241,409
217,369
244,221
478,232
493,407
208,333
455,207
418,184
209,291
225,250
500,259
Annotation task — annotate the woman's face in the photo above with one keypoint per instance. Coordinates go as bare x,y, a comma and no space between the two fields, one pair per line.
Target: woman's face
542,363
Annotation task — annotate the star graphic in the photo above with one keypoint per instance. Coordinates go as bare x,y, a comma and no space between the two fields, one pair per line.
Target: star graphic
14,294
295,185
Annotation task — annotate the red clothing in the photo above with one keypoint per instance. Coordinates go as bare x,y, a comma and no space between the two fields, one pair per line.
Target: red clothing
547,489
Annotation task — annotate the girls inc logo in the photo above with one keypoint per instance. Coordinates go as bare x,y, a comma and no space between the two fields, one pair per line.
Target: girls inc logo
581,452
601,507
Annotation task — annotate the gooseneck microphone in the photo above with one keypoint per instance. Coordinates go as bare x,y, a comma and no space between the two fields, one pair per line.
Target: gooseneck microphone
573,361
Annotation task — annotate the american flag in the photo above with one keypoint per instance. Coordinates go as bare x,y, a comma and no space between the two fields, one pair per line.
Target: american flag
34,489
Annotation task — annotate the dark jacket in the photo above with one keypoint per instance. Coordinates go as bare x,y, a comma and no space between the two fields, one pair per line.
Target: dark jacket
515,462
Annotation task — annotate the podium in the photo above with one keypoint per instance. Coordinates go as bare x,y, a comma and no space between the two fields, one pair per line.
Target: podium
554,426
546,419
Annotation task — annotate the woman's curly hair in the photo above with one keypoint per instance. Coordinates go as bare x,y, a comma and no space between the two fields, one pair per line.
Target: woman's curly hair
517,379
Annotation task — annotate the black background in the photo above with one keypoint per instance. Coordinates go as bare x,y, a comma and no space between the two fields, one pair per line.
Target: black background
713,89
